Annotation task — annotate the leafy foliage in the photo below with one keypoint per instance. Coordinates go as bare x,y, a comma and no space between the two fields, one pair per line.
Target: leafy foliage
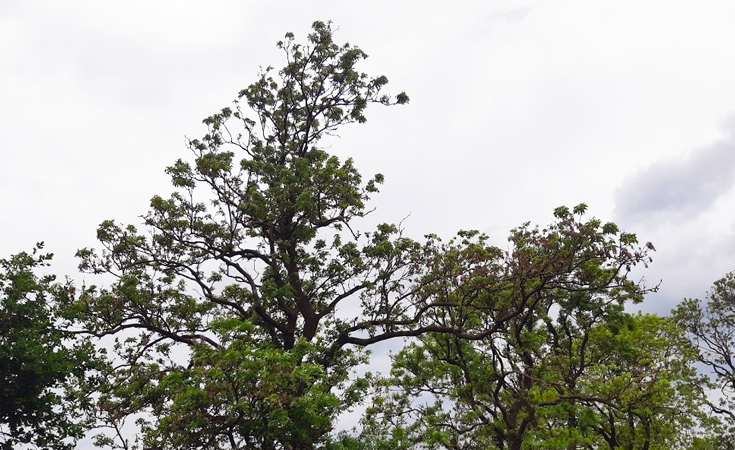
42,371
567,369
261,277
242,309
648,392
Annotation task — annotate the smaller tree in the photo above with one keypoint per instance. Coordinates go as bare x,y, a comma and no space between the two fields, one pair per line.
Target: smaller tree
642,389
512,379
41,370
710,325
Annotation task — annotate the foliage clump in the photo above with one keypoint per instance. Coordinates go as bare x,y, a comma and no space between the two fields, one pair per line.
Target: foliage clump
44,370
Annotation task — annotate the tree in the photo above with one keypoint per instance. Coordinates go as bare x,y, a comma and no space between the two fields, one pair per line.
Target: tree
570,370
635,388
710,325
240,313
255,267
42,370
648,393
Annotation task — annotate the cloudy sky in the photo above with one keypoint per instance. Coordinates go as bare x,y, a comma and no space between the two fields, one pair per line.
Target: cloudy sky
516,107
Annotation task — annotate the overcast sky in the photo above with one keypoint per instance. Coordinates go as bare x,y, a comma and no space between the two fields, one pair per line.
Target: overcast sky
517,107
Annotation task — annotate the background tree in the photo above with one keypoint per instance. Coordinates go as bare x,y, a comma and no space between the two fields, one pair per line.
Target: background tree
644,388
569,370
710,325
42,371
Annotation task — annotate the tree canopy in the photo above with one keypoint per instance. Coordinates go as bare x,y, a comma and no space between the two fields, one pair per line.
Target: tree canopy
240,313
249,262
571,370
44,371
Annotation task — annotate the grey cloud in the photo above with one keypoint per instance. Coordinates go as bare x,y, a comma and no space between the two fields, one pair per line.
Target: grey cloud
679,188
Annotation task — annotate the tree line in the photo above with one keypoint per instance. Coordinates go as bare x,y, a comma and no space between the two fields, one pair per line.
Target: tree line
242,312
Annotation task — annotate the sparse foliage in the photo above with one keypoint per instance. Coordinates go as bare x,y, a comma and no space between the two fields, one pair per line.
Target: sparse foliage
710,325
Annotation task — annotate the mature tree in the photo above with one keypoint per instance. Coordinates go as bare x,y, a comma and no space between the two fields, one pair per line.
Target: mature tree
570,370
255,267
42,371
710,325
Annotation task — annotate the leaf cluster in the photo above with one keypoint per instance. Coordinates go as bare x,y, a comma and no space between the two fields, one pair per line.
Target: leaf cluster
44,370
